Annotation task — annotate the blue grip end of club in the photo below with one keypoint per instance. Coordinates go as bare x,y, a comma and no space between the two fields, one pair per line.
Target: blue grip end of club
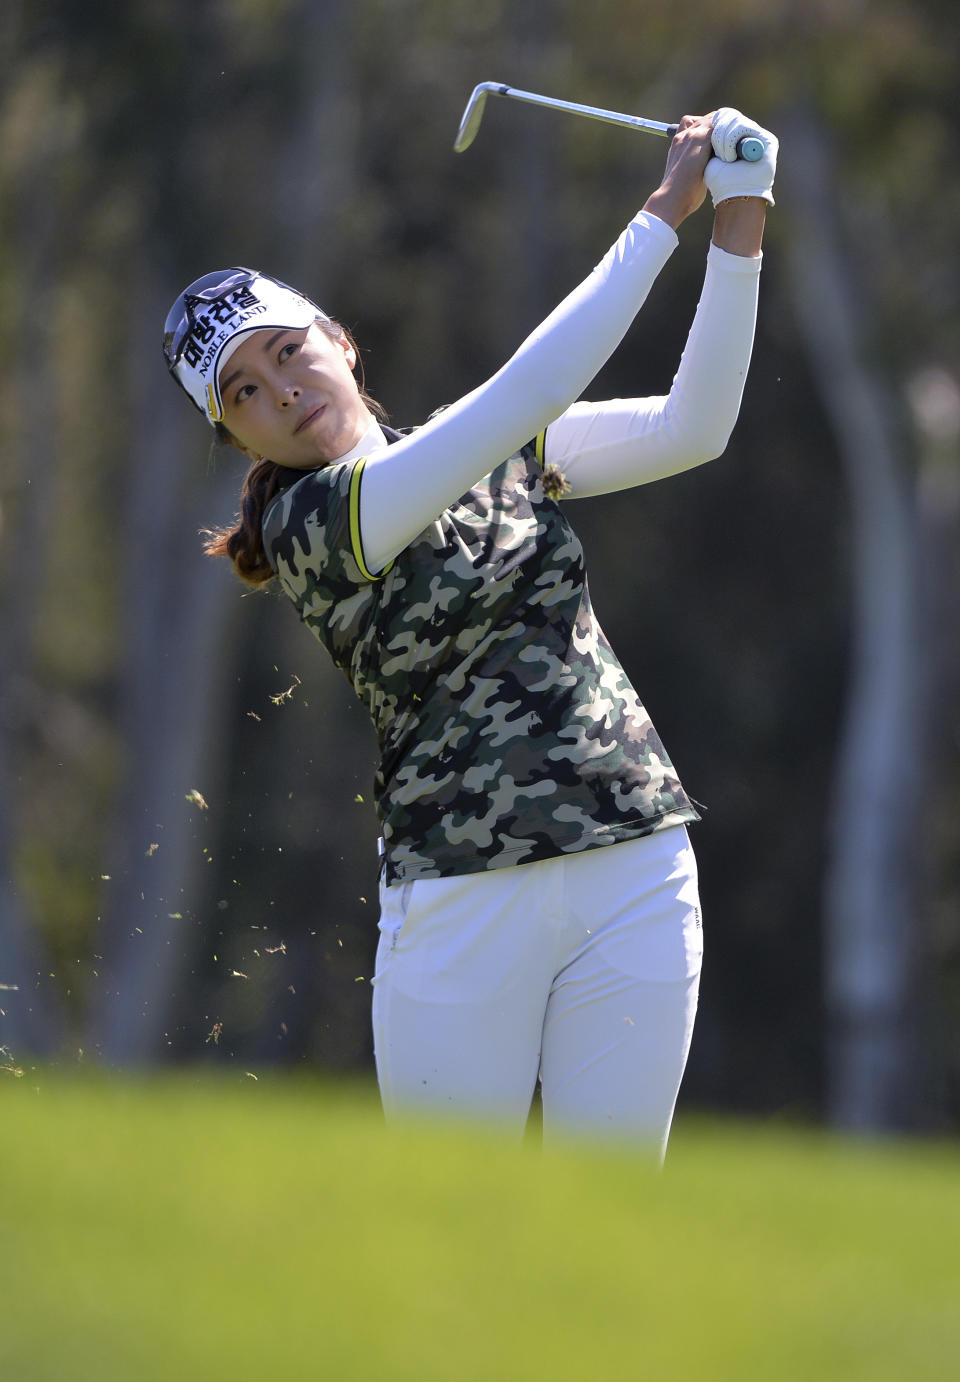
751,149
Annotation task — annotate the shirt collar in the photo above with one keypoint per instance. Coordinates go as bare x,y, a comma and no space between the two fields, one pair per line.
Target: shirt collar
372,440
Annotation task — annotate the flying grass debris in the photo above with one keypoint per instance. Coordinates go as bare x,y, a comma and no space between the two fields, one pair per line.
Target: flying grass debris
555,483
7,1061
282,697
195,799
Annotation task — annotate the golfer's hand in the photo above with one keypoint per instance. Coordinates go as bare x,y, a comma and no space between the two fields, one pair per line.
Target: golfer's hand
682,189
726,175
741,190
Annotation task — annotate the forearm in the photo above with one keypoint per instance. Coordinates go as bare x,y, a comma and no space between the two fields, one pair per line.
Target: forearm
407,486
626,442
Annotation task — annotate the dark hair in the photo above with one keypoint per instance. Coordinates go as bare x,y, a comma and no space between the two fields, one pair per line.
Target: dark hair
243,543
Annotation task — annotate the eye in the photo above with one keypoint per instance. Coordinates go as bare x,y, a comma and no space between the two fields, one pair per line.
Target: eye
292,347
244,392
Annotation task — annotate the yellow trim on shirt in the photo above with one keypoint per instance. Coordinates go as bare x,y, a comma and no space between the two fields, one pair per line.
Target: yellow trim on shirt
540,443
356,544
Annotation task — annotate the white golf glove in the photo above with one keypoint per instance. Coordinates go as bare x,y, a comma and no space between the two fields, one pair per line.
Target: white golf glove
728,176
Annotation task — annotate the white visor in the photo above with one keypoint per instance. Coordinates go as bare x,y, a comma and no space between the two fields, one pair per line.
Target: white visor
219,327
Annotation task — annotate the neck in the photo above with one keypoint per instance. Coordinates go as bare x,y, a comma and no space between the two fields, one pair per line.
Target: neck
371,440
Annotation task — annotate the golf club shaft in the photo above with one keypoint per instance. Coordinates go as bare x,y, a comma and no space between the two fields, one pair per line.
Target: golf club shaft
749,148
473,114
609,117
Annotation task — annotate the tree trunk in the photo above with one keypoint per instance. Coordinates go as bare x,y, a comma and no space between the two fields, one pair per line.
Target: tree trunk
176,624
870,899
314,172
30,1021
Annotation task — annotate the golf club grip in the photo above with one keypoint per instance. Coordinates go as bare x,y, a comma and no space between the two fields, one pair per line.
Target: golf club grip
749,148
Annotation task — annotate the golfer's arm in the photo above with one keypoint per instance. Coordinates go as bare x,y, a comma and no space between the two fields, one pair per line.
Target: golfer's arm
409,484
625,442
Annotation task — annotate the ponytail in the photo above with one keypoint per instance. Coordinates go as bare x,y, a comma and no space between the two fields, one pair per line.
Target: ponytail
243,543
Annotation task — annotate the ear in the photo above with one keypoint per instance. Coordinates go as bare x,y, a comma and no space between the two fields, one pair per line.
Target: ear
350,355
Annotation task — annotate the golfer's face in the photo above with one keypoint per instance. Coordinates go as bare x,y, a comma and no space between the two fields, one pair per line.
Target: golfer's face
291,396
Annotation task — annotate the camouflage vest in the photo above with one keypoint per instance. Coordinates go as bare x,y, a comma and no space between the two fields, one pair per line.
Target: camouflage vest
508,730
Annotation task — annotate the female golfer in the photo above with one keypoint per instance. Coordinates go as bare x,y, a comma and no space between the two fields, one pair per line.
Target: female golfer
539,909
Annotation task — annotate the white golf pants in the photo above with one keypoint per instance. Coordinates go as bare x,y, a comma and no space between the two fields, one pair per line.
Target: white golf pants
584,969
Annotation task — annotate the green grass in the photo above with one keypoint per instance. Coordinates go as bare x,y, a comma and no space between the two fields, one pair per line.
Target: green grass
190,1228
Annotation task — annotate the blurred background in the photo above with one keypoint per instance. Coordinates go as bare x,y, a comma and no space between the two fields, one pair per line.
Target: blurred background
187,842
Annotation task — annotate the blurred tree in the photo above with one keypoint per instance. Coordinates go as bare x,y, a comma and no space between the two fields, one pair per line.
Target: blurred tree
36,212
871,890
863,324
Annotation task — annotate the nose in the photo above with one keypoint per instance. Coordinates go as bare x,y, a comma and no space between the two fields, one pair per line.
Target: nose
289,395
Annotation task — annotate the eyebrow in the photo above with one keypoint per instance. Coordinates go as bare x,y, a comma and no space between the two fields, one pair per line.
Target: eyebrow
268,346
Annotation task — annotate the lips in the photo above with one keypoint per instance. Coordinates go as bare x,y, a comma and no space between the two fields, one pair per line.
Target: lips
308,418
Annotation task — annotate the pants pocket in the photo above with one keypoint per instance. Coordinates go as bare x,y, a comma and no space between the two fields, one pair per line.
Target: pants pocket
394,905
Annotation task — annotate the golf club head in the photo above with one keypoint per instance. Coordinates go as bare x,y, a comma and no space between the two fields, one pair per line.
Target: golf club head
472,116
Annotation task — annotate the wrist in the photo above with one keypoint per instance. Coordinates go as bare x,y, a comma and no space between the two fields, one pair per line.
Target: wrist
673,208
738,225
661,205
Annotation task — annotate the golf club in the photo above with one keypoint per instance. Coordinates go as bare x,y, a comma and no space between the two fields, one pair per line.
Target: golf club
749,148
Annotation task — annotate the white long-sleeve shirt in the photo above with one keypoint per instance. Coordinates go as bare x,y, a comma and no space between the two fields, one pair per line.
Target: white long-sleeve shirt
599,447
